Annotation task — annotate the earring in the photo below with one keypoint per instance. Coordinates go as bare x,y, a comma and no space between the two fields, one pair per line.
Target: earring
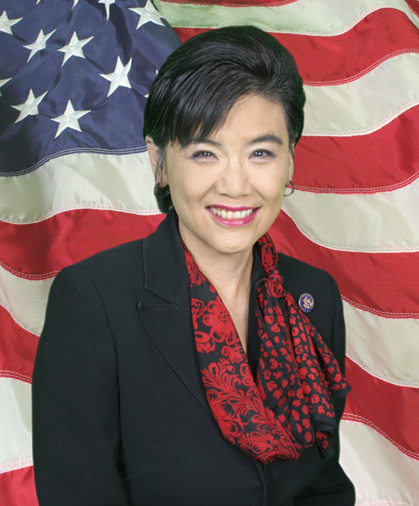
159,176
157,187
292,189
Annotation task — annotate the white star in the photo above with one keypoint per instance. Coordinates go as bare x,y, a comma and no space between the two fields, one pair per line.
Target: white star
74,47
119,77
6,23
69,119
3,82
75,3
148,13
29,107
39,44
107,3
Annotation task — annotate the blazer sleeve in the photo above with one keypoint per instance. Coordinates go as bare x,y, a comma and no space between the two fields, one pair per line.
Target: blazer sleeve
332,486
75,400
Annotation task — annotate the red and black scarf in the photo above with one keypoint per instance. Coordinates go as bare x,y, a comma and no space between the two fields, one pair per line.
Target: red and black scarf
289,406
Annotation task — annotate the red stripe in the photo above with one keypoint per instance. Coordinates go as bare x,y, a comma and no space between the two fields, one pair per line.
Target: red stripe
67,238
391,410
414,5
375,281
384,282
17,488
327,60
17,351
384,160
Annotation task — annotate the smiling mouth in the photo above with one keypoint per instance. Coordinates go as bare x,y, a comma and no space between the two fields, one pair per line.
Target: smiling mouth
231,215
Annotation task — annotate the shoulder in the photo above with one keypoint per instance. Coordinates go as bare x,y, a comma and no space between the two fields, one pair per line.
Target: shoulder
120,274
83,291
111,267
116,258
121,269
128,257
301,276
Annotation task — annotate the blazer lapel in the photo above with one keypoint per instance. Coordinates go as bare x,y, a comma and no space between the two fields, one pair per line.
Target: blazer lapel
168,319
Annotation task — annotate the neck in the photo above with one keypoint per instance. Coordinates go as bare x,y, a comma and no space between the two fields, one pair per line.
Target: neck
231,277
230,274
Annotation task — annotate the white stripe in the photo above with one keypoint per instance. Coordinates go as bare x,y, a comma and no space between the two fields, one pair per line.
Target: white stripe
387,348
366,104
306,17
381,473
15,425
355,108
376,223
25,300
79,181
336,221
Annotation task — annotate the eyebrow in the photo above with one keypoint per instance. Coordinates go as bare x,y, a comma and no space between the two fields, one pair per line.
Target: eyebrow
268,138
203,140
263,138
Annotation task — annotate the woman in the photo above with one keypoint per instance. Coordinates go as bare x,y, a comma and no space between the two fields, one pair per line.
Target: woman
180,369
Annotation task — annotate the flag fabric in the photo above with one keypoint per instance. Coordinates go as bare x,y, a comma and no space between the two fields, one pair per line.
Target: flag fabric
74,76
75,179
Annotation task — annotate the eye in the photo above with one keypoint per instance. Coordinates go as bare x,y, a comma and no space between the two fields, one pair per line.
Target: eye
202,155
262,153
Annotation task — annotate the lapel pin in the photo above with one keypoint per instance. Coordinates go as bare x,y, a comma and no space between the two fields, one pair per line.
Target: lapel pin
306,302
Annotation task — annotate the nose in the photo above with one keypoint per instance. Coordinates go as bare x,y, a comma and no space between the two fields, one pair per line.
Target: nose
234,179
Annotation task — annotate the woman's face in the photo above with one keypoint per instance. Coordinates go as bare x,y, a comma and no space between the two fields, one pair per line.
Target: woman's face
228,189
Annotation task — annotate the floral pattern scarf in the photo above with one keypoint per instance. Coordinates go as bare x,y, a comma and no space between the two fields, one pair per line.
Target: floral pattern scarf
289,406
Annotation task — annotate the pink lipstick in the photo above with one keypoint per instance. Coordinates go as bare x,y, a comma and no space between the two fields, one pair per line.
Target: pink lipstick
233,216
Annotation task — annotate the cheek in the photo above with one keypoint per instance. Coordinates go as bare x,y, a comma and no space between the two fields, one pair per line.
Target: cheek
190,183
273,186
183,191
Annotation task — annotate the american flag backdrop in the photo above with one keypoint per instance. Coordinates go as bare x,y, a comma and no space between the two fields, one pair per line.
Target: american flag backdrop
75,179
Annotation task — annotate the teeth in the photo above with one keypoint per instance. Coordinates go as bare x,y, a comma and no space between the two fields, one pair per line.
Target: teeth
231,215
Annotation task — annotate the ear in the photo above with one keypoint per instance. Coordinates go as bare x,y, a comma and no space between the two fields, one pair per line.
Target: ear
156,156
153,153
291,165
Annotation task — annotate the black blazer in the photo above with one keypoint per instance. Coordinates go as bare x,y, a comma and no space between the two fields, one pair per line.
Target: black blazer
120,416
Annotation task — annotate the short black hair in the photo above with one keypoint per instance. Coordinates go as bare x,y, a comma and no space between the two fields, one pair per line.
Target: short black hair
202,79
